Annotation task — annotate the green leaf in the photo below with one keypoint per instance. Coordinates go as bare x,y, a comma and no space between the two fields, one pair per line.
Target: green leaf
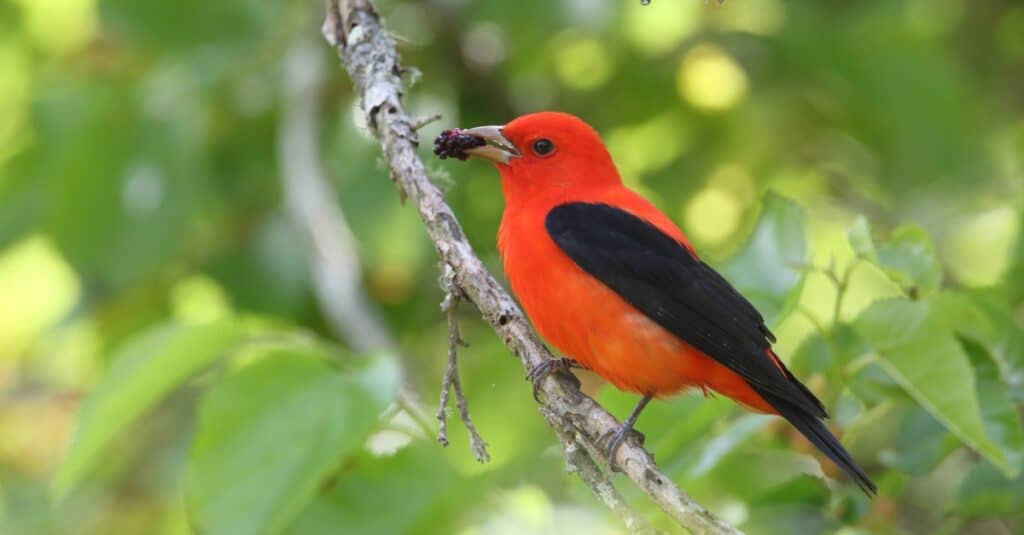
434,497
902,436
724,444
986,491
814,354
271,434
892,323
985,317
918,443
932,367
820,352
144,370
692,417
769,268
907,258
752,472
998,410
799,516
961,313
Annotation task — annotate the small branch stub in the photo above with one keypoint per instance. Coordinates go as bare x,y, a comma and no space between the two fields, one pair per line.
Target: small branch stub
424,121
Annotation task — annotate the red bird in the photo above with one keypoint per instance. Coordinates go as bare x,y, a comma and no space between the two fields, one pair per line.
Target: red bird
611,282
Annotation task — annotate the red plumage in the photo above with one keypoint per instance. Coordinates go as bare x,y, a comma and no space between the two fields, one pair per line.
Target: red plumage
614,284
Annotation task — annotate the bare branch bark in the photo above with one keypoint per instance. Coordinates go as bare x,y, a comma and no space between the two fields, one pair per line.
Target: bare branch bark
368,54
578,461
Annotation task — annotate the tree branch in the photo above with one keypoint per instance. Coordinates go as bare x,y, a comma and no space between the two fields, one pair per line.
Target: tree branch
579,461
368,54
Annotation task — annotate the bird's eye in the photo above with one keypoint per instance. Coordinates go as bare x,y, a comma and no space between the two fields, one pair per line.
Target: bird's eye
543,147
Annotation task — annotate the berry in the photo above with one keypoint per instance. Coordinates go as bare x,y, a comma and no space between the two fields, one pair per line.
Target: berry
453,143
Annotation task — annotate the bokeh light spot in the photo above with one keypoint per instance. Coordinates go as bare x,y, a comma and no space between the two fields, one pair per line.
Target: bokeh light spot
582,64
648,146
712,215
735,179
980,246
484,46
764,17
199,299
530,92
660,30
143,189
59,26
710,79
37,289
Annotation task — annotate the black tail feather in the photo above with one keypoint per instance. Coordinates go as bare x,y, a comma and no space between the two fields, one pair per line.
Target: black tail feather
815,430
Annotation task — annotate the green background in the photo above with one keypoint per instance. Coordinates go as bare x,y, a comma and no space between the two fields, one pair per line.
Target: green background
855,168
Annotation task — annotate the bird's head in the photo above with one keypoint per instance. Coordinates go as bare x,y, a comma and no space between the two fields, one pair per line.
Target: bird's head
546,154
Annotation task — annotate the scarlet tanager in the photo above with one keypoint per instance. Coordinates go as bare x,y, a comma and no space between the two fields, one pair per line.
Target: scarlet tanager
611,282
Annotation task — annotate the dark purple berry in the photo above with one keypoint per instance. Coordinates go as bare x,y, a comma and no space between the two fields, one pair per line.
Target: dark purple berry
454,142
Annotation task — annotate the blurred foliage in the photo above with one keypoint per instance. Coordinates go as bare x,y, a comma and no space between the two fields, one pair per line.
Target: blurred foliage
856,168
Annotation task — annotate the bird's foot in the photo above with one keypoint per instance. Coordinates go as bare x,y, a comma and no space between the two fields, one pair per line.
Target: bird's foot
611,440
551,366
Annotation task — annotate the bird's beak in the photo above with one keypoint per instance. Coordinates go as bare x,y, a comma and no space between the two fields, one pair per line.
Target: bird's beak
498,148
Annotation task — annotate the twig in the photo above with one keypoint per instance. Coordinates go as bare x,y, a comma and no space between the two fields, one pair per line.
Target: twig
842,286
309,200
370,58
424,121
450,381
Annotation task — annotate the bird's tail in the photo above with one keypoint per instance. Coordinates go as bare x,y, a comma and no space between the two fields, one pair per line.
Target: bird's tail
814,429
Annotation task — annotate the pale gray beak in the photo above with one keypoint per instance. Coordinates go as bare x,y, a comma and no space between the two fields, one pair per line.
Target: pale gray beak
498,148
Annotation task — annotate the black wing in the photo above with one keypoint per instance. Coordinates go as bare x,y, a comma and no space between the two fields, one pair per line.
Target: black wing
663,279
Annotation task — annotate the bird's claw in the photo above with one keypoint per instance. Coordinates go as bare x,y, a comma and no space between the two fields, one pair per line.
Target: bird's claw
551,366
612,439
